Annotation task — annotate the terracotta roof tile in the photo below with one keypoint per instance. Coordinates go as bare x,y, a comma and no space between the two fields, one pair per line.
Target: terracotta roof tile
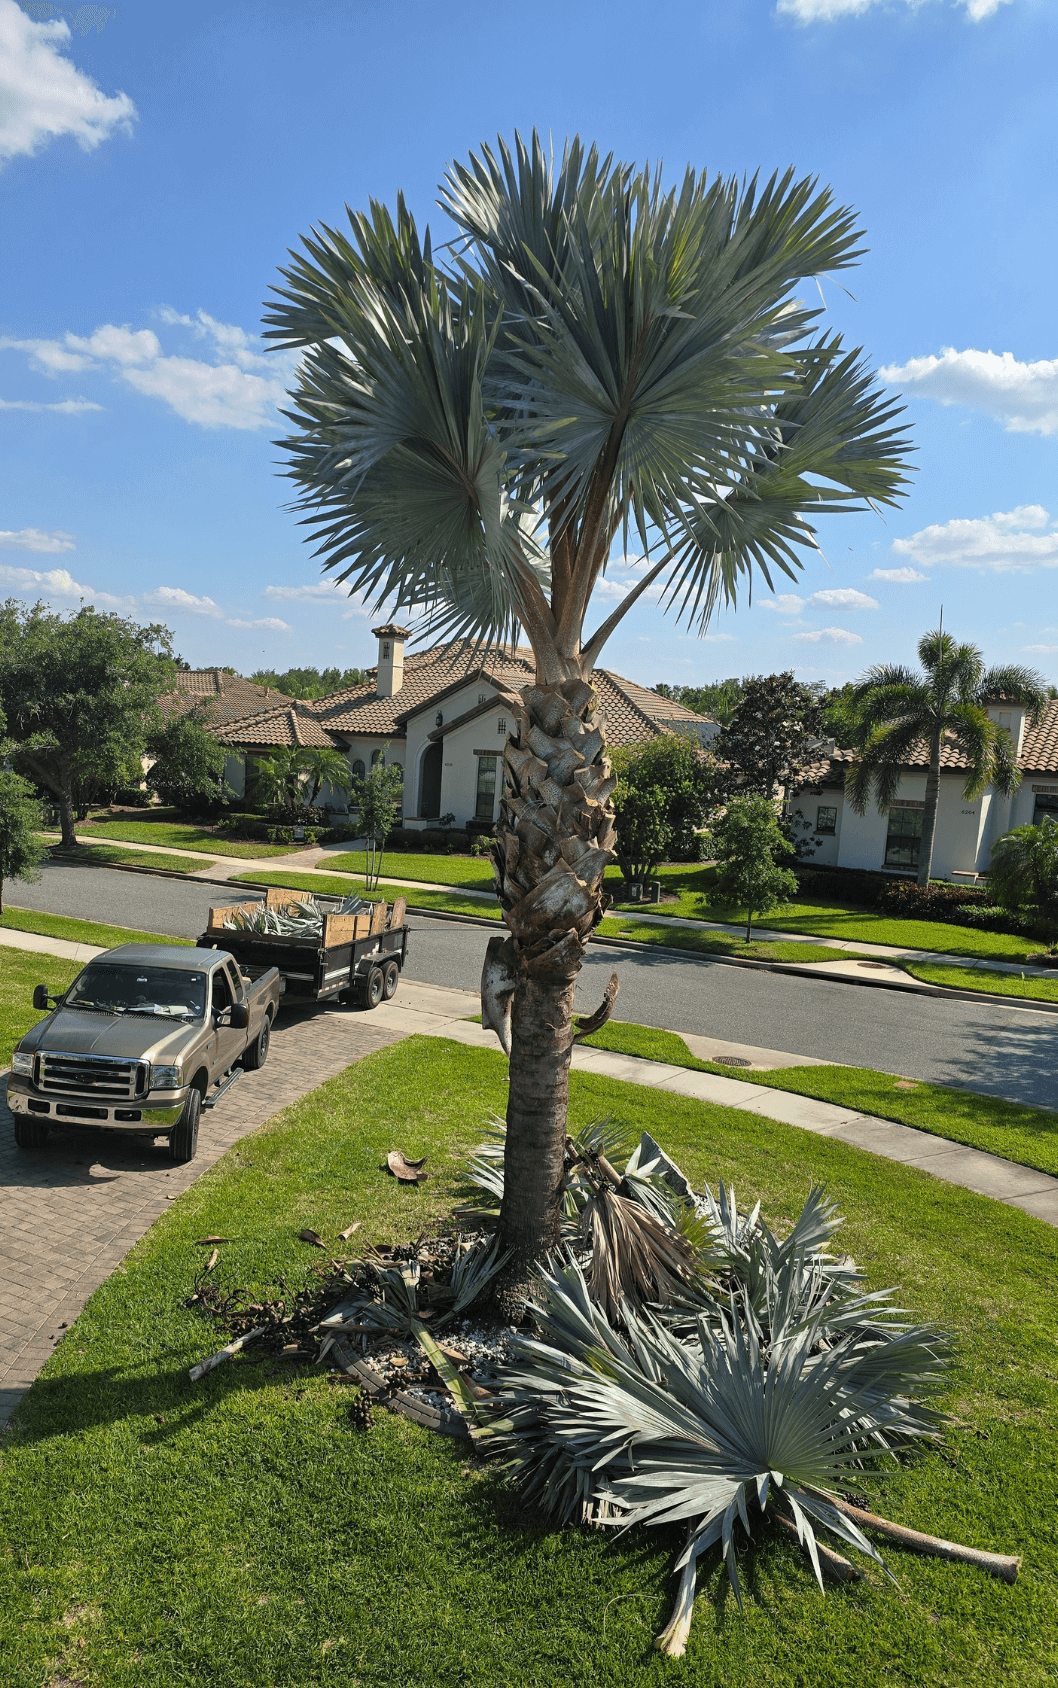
291,728
221,696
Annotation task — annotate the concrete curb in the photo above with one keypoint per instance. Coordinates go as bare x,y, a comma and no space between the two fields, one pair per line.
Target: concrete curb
913,988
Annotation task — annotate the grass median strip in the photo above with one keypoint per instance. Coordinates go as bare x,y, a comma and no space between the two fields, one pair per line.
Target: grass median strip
179,835
111,855
717,943
1017,1133
980,979
283,1547
79,931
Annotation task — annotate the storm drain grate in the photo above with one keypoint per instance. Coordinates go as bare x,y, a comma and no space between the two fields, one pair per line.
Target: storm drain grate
733,1061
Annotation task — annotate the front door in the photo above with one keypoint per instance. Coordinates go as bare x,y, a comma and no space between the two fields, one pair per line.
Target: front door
229,1040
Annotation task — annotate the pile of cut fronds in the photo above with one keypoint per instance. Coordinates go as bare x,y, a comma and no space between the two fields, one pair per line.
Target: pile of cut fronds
305,922
690,1366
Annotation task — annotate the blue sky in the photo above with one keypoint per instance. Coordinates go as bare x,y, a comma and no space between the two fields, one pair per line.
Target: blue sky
157,161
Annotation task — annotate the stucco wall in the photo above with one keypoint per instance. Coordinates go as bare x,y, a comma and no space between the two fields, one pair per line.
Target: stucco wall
459,768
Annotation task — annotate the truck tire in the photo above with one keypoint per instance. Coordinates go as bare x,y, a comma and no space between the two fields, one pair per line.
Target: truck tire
183,1142
257,1054
390,979
29,1133
375,988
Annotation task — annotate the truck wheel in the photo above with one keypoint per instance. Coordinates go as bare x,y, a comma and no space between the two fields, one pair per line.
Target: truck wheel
29,1134
376,988
391,979
257,1053
183,1143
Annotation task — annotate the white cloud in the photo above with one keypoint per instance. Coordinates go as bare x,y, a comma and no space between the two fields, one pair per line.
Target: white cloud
1040,650
66,407
57,583
829,636
825,11
1011,541
899,577
43,95
306,594
719,639
787,603
33,539
1023,395
270,621
841,598
242,392
175,598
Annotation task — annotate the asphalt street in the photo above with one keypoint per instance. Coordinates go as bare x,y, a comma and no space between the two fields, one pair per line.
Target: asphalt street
992,1048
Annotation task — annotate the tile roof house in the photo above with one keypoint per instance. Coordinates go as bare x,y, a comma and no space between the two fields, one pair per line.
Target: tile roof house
439,714
966,831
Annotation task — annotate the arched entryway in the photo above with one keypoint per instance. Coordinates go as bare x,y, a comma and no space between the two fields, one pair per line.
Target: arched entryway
430,783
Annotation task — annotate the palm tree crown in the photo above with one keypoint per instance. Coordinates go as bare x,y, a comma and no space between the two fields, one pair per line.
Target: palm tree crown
597,355
893,710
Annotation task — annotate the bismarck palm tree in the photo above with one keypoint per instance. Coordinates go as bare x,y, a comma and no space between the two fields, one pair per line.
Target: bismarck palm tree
593,359
894,710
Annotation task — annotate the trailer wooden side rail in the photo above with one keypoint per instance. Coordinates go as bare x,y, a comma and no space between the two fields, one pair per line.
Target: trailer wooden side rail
361,955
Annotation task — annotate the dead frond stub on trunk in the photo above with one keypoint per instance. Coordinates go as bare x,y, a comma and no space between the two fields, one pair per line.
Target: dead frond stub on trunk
587,1024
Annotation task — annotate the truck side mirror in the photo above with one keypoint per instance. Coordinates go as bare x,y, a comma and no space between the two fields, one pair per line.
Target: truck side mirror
40,996
239,1016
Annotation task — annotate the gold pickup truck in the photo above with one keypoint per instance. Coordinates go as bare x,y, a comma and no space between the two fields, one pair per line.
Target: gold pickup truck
144,1039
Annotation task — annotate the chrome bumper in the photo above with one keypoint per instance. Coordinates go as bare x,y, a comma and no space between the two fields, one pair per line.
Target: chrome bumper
143,1117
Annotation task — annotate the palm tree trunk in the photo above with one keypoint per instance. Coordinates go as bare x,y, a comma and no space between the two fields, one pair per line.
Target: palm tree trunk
554,841
929,815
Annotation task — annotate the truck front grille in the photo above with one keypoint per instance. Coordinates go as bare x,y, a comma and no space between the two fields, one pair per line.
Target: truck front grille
108,1077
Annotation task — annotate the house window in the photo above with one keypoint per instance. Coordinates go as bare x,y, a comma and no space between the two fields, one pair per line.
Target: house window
904,836
358,769
376,757
486,788
827,820
501,725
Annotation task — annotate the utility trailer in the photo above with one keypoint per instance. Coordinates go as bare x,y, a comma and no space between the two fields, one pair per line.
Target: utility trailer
361,955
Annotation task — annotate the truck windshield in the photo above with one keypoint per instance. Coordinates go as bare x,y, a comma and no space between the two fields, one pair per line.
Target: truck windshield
165,991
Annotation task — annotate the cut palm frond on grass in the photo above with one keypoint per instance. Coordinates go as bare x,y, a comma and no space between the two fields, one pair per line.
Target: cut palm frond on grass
778,1383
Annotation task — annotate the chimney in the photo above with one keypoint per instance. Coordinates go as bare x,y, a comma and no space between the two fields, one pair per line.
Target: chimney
390,677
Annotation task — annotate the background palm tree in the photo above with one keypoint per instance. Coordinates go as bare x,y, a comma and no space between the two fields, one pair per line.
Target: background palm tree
322,765
592,359
892,711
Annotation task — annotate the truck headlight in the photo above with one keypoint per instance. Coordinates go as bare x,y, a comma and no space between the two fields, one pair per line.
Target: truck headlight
165,1078
22,1062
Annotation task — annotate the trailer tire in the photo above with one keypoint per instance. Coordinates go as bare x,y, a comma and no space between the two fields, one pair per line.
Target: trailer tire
29,1133
375,989
183,1141
255,1056
390,979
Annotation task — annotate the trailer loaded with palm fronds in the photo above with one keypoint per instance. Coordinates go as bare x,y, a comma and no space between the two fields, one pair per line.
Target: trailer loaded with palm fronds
322,946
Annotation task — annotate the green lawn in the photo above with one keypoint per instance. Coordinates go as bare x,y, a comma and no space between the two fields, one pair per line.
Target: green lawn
179,835
88,854
977,979
237,1534
20,970
79,931
1026,1135
472,872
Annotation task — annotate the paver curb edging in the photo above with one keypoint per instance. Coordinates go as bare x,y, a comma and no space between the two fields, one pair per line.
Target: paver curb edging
916,988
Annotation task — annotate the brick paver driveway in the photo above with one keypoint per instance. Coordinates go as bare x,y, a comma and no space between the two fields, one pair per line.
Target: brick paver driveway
70,1211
